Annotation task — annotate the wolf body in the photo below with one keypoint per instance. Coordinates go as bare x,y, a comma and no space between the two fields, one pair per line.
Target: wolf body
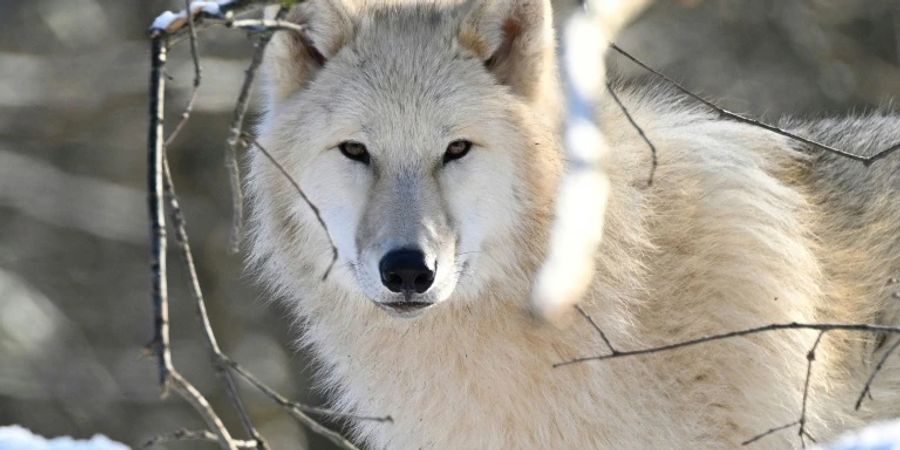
741,228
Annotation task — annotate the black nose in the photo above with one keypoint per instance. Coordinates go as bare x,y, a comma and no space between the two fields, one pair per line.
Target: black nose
405,270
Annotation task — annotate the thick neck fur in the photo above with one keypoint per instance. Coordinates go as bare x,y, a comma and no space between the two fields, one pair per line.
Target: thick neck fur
488,351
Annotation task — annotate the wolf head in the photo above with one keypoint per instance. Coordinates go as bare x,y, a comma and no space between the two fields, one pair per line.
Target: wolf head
423,133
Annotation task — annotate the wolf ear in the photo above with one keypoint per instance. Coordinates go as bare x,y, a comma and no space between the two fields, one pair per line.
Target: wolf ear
292,59
515,40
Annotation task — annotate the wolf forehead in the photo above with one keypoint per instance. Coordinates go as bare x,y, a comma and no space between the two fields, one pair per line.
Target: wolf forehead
408,55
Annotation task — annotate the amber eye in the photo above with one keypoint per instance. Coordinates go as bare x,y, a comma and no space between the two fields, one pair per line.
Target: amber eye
457,149
355,151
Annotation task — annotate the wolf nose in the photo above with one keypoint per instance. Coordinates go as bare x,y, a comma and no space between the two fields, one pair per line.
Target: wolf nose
405,270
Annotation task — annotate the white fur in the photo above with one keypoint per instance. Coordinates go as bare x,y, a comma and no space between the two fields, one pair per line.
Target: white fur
740,228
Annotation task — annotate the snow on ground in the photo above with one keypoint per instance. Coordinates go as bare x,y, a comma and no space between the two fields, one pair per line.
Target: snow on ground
879,436
15,437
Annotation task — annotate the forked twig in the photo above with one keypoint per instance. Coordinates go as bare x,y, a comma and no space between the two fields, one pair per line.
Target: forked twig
191,435
867,388
733,334
640,131
596,327
312,206
802,433
236,129
169,378
296,412
193,396
195,86
281,400
181,238
867,160
160,185
224,364
770,431
823,328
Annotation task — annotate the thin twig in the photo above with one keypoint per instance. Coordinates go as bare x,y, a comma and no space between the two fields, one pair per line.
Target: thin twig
294,410
640,131
801,422
189,108
867,160
236,130
312,206
169,378
155,152
160,184
188,392
191,435
181,238
867,389
223,362
284,402
732,334
590,320
768,432
810,357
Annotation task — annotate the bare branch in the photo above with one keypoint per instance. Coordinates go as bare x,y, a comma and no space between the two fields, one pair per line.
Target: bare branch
810,357
191,435
867,388
234,132
597,328
240,111
867,160
168,376
160,184
155,151
768,432
188,392
284,402
188,109
181,238
312,206
801,422
293,409
749,331
640,131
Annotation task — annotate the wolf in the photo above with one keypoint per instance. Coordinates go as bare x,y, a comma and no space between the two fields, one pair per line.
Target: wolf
427,136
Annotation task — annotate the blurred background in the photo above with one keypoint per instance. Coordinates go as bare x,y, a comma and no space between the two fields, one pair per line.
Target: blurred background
75,309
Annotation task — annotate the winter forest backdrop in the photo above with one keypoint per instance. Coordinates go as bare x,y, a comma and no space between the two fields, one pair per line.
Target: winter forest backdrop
74,300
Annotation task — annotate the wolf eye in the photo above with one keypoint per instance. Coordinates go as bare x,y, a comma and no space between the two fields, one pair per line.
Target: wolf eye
355,151
457,149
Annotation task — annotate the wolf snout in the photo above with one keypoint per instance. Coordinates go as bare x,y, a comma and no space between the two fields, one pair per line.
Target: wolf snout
406,271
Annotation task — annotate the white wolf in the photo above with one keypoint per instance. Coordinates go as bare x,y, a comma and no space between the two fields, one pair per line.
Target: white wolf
427,136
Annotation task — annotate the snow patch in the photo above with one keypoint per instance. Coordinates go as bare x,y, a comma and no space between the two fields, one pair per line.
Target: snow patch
879,436
165,20
15,437
168,19
211,8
